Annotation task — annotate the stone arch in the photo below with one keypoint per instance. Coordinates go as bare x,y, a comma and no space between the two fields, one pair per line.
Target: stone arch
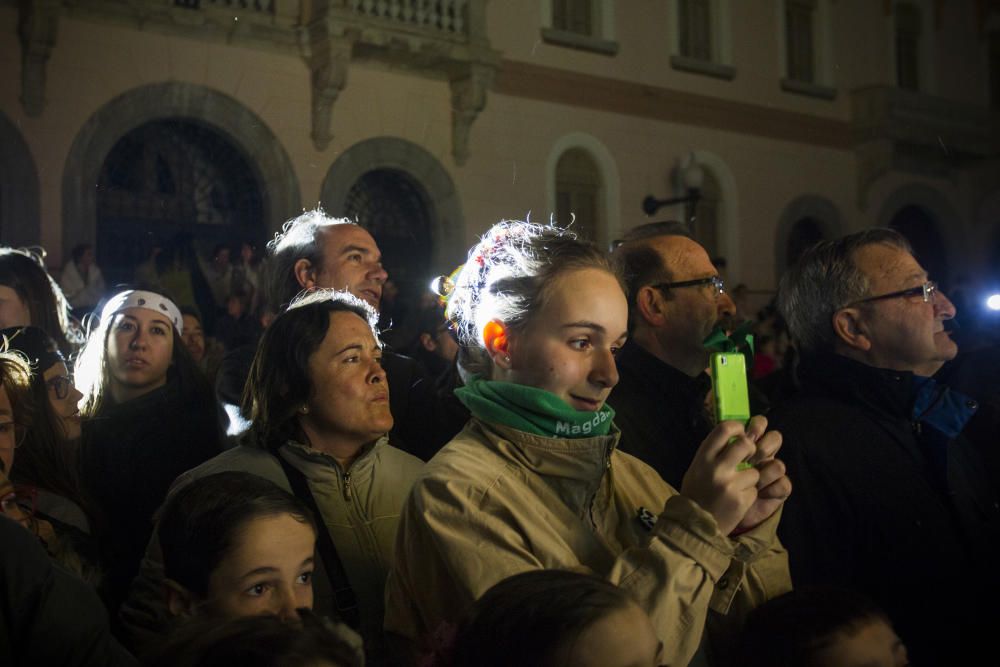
609,203
223,114
20,224
446,221
806,207
943,215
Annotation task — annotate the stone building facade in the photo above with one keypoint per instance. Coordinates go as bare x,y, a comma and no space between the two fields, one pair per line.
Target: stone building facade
122,121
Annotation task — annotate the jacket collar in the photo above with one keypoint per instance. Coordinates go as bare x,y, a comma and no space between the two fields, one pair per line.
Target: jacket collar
317,465
669,382
888,391
574,468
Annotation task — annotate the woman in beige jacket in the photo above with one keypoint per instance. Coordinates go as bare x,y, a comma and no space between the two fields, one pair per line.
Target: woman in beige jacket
535,480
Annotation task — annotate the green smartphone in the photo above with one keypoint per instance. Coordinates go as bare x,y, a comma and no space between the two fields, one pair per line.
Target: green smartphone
729,384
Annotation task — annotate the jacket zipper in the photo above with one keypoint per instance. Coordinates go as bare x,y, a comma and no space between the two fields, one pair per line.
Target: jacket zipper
347,486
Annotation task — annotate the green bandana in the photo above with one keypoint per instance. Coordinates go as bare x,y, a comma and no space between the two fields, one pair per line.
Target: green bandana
741,340
531,410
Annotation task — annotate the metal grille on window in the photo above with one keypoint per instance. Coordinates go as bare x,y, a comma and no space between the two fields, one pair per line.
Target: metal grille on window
173,177
695,28
578,189
574,16
394,208
799,42
907,47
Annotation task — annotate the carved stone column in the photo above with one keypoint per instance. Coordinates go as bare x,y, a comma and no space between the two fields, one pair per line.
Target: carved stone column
37,29
468,98
328,57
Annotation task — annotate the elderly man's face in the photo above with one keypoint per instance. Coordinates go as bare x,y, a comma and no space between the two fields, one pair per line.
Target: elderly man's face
904,333
691,312
352,262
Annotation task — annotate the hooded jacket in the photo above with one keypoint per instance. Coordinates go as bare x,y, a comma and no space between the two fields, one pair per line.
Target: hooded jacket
496,501
360,507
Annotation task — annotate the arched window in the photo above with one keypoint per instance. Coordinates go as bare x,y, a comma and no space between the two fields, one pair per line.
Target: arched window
705,216
579,195
171,177
806,232
921,230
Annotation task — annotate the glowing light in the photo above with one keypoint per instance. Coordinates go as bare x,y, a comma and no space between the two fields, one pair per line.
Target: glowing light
993,303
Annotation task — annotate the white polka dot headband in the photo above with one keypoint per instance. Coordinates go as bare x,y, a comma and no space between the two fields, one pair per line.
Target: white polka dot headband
143,299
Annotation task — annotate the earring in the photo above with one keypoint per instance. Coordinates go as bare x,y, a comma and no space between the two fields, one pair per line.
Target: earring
506,358
304,410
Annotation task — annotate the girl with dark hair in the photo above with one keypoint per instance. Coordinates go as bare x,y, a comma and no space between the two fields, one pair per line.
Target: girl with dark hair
29,295
318,400
236,544
148,417
552,618
48,458
535,480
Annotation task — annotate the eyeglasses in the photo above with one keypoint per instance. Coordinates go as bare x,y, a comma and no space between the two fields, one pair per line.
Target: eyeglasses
715,281
15,432
925,291
60,385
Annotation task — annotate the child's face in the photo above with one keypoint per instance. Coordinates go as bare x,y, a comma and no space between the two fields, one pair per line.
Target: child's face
874,645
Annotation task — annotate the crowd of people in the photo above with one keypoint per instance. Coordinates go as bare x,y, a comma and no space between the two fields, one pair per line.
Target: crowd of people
224,462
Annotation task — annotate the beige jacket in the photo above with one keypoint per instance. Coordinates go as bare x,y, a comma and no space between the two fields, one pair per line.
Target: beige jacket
360,508
495,502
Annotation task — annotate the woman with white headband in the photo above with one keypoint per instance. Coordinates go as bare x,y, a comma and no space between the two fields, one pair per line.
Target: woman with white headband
148,417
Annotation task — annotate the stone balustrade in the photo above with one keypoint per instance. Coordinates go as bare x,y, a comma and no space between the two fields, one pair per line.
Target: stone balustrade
445,16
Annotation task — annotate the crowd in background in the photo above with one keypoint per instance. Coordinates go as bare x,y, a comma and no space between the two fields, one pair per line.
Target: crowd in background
231,461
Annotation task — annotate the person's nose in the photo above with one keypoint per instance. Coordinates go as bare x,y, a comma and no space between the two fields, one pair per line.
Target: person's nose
138,339
75,394
376,373
725,306
604,371
286,605
378,273
943,307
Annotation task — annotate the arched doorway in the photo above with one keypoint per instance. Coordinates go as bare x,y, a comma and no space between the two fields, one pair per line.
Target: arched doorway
805,233
19,193
921,230
204,107
395,209
171,177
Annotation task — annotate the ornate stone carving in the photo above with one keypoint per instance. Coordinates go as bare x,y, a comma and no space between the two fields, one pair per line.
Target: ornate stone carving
328,58
37,29
468,99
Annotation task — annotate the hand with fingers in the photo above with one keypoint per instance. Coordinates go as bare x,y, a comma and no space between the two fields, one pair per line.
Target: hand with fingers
773,486
738,497
715,480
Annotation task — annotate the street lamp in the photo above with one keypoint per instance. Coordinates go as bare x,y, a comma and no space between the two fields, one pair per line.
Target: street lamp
692,176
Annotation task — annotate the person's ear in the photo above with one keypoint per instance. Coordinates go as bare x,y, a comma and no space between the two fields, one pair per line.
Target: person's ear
497,341
849,328
650,303
180,601
427,342
305,273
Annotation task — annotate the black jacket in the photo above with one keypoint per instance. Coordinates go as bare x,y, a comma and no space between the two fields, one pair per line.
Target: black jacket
48,616
130,455
660,412
887,500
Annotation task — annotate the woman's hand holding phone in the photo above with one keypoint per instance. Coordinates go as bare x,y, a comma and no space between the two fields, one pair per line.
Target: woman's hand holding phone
738,497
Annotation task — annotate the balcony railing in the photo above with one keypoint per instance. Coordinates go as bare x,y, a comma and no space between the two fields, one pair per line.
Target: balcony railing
446,16
263,6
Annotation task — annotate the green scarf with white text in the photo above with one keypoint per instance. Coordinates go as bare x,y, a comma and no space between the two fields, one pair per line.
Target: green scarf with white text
531,410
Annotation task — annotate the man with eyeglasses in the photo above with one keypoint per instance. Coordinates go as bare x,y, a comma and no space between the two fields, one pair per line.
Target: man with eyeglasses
676,298
890,498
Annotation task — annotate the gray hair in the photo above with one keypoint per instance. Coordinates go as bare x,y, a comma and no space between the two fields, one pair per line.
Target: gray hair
824,280
299,238
506,279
